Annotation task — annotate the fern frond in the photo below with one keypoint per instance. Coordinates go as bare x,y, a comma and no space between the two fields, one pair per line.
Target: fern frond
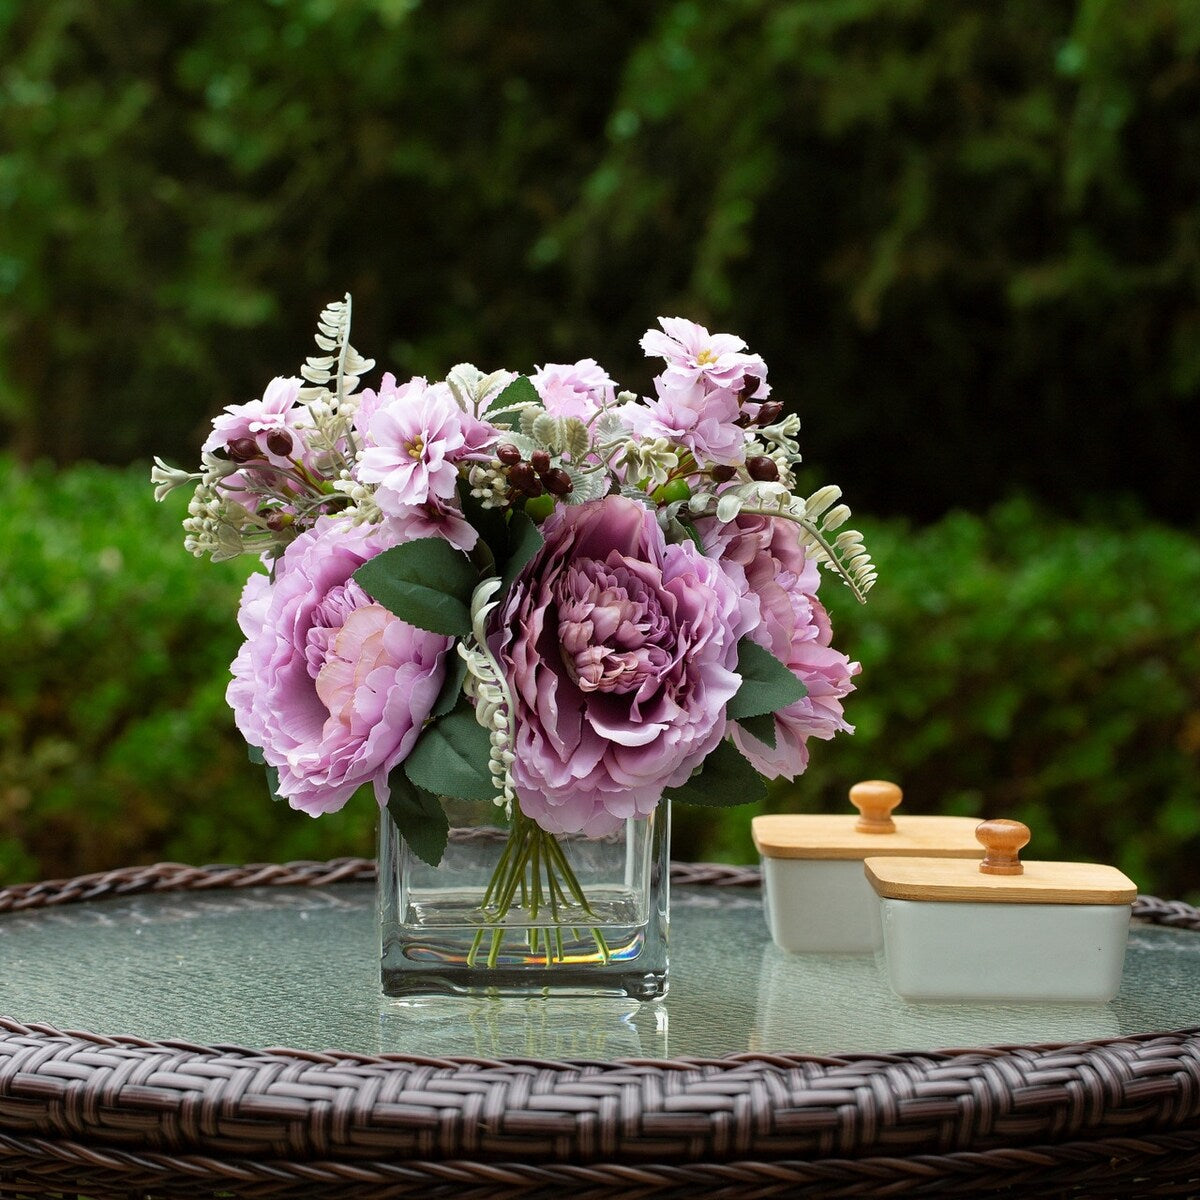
844,554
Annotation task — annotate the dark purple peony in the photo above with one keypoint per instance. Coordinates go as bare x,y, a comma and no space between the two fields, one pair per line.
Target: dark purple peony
621,654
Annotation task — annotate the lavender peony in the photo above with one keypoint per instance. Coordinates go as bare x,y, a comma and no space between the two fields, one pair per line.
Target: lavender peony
332,687
765,556
621,653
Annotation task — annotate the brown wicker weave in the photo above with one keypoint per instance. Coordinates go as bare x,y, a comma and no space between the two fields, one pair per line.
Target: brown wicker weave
101,1116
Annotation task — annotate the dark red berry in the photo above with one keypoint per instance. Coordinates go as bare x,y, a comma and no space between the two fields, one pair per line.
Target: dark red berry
243,449
508,454
558,482
762,468
524,478
279,442
722,473
540,461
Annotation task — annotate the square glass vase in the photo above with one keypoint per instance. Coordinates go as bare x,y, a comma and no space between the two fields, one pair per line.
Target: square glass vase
513,911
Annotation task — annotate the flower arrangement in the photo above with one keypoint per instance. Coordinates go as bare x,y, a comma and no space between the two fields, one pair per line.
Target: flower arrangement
534,589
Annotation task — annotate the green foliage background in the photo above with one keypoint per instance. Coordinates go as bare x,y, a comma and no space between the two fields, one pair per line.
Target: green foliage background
965,236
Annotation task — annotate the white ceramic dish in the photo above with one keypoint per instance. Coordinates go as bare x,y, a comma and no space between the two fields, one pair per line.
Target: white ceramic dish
815,895
1043,932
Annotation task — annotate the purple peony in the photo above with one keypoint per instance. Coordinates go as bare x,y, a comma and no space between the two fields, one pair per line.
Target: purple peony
621,654
766,557
332,687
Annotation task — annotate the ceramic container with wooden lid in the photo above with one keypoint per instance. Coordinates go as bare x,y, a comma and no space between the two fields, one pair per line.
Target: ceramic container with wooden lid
815,895
1001,929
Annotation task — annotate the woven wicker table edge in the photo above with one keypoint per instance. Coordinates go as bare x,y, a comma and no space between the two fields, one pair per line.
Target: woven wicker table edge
121,1094
1154,1164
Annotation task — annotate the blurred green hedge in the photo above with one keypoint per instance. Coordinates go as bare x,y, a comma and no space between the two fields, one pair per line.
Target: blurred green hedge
1013,664
116,745
964,234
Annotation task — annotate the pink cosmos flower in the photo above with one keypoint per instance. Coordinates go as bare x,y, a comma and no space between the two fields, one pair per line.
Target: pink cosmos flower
688,415
621,654
277,412
415,438
715,360
578,390
765,556
330,686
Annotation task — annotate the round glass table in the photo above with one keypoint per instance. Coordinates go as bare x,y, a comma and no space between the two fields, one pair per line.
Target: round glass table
204,1031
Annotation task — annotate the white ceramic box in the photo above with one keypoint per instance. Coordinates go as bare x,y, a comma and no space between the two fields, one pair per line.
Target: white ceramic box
1043,932
815,895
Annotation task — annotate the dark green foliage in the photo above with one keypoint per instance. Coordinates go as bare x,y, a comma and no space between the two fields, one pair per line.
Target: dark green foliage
767,685
427,582
419,817
963,234
725,780
451,757
1013,665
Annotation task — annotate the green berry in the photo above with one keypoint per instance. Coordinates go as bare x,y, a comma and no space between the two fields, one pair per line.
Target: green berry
539,507
672,490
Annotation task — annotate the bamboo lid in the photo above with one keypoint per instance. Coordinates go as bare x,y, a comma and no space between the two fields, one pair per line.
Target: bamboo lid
1000,877
873,831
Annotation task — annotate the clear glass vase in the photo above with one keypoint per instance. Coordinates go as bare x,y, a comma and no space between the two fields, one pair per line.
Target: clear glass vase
513,911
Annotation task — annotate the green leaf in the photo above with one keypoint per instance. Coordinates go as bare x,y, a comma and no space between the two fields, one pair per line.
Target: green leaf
489,523
690,530
524,541
761,727
456,672
272,773
451,757
419,817
725,779
767,685
424,582
520,391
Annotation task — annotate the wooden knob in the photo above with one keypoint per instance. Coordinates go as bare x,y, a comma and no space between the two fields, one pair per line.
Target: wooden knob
1002,840
875,799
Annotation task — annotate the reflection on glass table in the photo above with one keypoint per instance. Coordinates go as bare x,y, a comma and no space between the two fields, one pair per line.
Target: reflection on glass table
298,967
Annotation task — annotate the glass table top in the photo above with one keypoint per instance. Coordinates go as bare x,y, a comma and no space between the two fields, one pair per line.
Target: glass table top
297,967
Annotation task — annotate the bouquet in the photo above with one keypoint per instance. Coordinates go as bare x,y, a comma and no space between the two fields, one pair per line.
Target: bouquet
534,590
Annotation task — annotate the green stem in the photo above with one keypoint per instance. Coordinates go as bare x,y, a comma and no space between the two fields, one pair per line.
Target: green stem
500,872
532,860
494,952
476,942
535,880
